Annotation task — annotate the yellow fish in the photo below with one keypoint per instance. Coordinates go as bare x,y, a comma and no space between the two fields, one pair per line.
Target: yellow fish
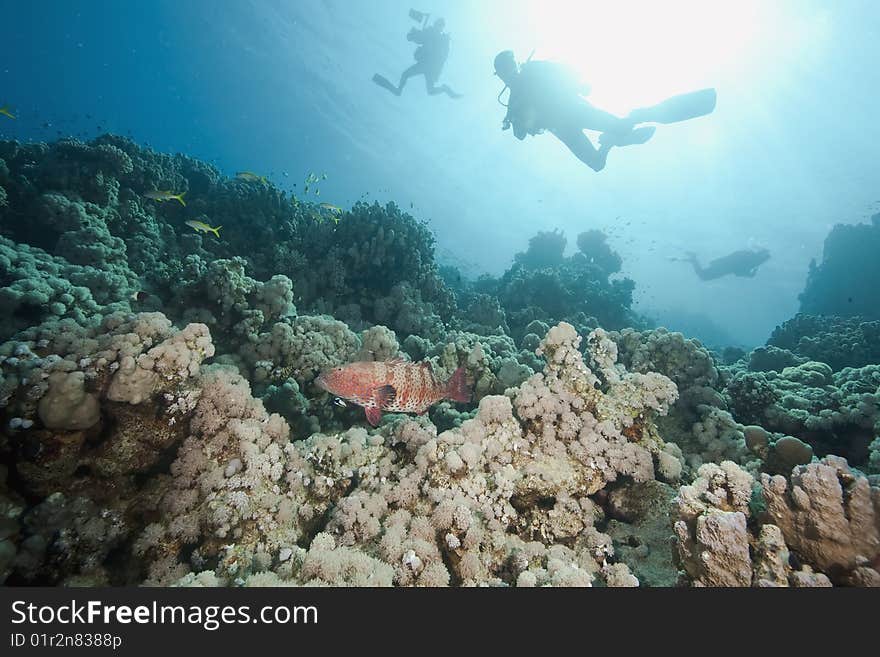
249,176
5,111
166,196
330,207
202,227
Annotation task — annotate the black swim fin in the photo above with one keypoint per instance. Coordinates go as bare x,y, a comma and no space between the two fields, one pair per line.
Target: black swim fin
386,84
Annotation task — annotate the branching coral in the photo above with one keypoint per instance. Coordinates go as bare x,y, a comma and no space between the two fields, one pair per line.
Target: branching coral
36,287
686,362
545,285
235,306
492,362
241,473
837,341
72,389
834,412
461,507
300,349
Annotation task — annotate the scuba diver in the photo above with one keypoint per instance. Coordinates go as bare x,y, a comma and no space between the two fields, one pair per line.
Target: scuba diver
743,263
430,57
547,96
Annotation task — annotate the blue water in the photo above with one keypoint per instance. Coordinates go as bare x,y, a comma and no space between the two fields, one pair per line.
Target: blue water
283,88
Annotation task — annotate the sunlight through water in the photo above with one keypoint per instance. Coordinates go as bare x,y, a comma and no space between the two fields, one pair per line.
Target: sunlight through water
636,53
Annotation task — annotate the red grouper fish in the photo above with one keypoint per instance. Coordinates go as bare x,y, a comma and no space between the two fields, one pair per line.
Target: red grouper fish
396,386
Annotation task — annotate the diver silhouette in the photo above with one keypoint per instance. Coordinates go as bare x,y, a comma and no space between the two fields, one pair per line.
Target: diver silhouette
743,263
430,57
547,96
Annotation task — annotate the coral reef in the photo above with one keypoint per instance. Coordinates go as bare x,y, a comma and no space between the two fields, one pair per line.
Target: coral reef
711,531
495,501
689,365
160,422
836,286
502,499
834,412
836,341
375,262
545,285
545,250
36,287
830,516
824,514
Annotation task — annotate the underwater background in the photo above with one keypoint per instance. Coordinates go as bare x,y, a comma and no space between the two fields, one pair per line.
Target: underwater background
206,205
285,87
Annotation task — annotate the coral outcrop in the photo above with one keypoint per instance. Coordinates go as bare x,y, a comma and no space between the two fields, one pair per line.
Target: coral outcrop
836,285
159,421
836,341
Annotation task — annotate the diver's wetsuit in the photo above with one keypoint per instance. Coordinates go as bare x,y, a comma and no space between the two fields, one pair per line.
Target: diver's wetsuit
588,117
430,57
546,96
743,263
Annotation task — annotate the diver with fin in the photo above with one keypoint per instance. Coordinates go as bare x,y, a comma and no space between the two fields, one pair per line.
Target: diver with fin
430,57
743,263
547,96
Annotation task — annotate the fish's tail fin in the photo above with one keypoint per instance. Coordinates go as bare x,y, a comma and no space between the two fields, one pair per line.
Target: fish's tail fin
216,231
457,388
179,197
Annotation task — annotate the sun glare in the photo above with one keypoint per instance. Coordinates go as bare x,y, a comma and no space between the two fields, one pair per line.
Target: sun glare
640,52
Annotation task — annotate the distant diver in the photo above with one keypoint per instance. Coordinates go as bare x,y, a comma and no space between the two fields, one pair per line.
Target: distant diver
548,96
430,57
743,263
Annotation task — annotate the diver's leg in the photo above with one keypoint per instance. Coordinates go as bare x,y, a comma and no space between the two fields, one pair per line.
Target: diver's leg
432,88
698,269
579,144
635,136
615,131
442,89
415,69
590,117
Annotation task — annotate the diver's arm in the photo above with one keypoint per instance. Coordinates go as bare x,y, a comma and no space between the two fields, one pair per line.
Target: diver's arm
514,117
416,36
518,130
